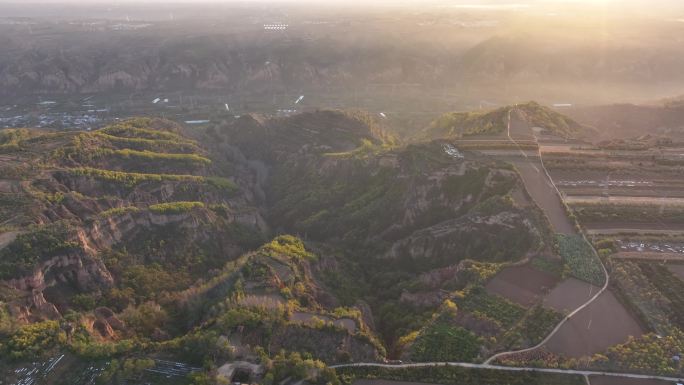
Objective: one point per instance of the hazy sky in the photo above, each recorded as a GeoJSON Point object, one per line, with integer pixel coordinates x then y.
{"type": "Point", "coordinates": [411, 2]}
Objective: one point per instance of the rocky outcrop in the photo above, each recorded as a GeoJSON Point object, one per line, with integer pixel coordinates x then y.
{"type": "Point", "coordinates": [77, 269]}
{"type": "Point", "coordinates": [326, 345]}
{"type": "Point", "coordinates": [453, 240]}
{"type": "Point", "coordinates": [80, 268]}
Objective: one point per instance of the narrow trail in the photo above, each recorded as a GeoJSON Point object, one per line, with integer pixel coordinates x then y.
{"type": "Point", "coordinates": [581, 307]}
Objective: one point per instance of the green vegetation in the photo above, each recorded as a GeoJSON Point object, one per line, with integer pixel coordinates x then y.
{"type": "Point", "coordinates": [539, 116]}
{"type": "Point", "coordinates": [224, 184]}
{"type": "Point", "coordinates": [141, 144]}
{"type": "Point", "coordinates": [643, 298]}
{"type": "Point", "coordinates": [449, 375]}
{"type": "Point", "coordinates": [442, 341]}
{"type": "Point", "coordinates": [175, 207]}
{"type": "Point", "coordinates": [116, 211]}
{"type": "Point", "coordinates": [477, 300]}
{"type": "Point", "coordinates": [655, 213]}
{"type": "Point", "coordinates": [459, 124]}
{"type": "Point", "coordinates": [131, 179]}
{"type": "Point", "coordinates": [293, 365]}
{"type": "Point", "coordinates": [472, 183]}
{"type": "Point", "coordinates": [647, 354]}
{"type": "Point", "coordinates": [365, 150]}
{"type": "Point", "coordinates": [33, 340]}
{"type": "Point", "coordinates": [537, 323]}
{"type": "Point", "coordinates": [286, 245]}
{"type": "Point", "coordinates": [22, 254]}
{"type": "Point", "coordinates": [578, 255]}
{"type": "Point", "coordinates": [149, 156]}
{"type": "Point", "coordinates": [10, 139]}
{"type": "Point", "coordinates": [548, 265]}
{"type": "Point", "coordinates": [670, 286]}
{"type": "Point", "coordinates": [189, 291]}
{"type": "Point", "coordinates": [138, 129]}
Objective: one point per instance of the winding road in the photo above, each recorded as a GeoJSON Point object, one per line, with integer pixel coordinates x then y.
{"type": "Point", "coordinates": [581, 307]}
{"type": "Point", "coordinates": [487, 363]}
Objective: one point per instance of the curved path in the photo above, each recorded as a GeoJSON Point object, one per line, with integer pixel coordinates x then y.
{"type": "Point", "coordinates": [584, 373]}
{"type": "Point", "coordinates": [581, 307]}
{"type": "Point", "coordinates": [487, 364]}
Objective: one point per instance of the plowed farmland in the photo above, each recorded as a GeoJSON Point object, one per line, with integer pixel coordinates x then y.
{"type": "Point", "coordinates": [604, 323]}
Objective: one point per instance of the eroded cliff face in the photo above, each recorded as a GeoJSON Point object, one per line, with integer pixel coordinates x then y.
{"type": "Point", "coordinates": [103, 213]}
{"type": "Point", "coordinates": [85, 272]}
{"type": "Point", "coordinates": [81, 270]}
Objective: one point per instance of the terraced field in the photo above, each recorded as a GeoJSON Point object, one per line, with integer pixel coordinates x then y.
{"type": "Point", "coordinates": [569, 295]}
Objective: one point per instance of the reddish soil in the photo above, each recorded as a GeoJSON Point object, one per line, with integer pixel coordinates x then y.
{"type": "Point", "coordinates": [522, 284]}
{"type": "Point", "coordinates": [608, 380]}
{"type": "Point", "coordinates": [600, 325]}
{"type": "Point", "coordinates": [569, 295]}
{"type": "Point", "coordinates": [678, 270]}
{"type": "Point", "coordinates": [544, 195]}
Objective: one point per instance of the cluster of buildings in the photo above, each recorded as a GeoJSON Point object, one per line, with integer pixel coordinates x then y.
{"type": "Point", "coordinates": [82, 121]}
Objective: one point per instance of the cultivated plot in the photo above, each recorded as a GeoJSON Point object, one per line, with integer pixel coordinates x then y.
{"type": "Point", "coordinates": [523, 285]}
{"type": "Point", "coordinates": [569, 295]}
{"type": "Point", "coordinates": [544, 194]}
{"type": "Point", "coordinates": [604, 323]}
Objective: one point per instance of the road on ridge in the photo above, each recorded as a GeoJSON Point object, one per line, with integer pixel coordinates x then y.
{"type": "Point", "coordinates": [584, 373]}
{"type": "Point", "coordinates": [565, 319]}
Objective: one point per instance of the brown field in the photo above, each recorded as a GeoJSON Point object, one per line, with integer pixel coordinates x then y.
{"type": "Point", "coordinates": [678, 270]}
{"type": "Point", "coordinates": [520, 129]}
{"type": "Point", "coordinates": [609, 380]}
{"type": "Point", "coordinates": [543, 193]}
{"type": "Point", "coordinates": [522, 284]}
{"type": "Point", "coordinates": [569, 295]}
{"type": "Point", "coordinates": [600, 325]}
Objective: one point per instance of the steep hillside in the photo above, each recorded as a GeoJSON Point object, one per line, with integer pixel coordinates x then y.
{"type": "Point", "coordinates": [139, 190]}
{"type": "Point", "coordinates": [149, 239]}
{"type": "Point", "coordinates": [390, 217]}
